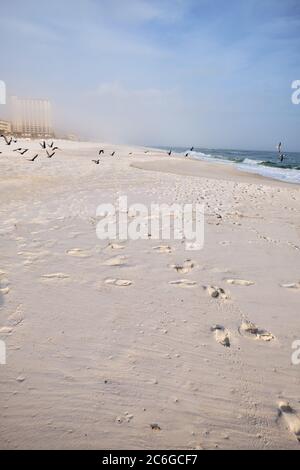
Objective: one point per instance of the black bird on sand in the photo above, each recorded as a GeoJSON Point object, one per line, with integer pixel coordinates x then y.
{"type": "Point", "coordinates": [51, 145]}
{"type": "Point", "coordinates": [32, 159]}
{"type": "Point", "coordinates": [101, 151]}
{"type": "Point", "coordinates": [170, 153]}
{"type": "Point", "coordinates": [96, 161]}
{"type": "Point", "coordinates": [43, 144]}
{"type": "Point", "coordinates": [187, 154]}
{"type": "Point", "coordinates": [112, 154]}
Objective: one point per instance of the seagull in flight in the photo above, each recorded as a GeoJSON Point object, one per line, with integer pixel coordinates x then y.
{"type": "Point", "coordinates": [50, 155]}
{"type": "Point", "coordinates": [7, 141]}
{"type": "Point", "coordinates": [96, 161]}
{"type": "Point", "coordinates": [21, 151]}
{"type": "Point", "coordinates": [101, 151]}
{"type": "Point", "coordinates": [32, 159]}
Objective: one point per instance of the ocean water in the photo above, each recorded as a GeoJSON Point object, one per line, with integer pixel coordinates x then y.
{"type": "Point", "coordinates": [261, 162]}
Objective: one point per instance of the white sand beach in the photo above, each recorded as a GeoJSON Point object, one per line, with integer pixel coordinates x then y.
{"type": "Point", "coordinates": [130, 346]}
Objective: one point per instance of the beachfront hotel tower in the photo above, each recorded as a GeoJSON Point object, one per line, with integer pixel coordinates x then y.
{"type": "Point", "coordinates": [31, 117]}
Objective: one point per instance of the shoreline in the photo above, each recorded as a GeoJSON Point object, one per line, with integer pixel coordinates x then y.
{"type": "Point", "coordinates": [198, 168]}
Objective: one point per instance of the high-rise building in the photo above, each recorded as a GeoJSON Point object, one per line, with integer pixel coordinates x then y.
{"type": "Point", "coordinates": [5, 127]}
{"type": "Point", "coordinates": [31, 118]}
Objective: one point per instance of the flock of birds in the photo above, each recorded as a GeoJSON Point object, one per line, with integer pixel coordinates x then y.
{"type": "Point", "coordinates": [101, 151]}
{"type": "Point", "coordinates": [49, 148]}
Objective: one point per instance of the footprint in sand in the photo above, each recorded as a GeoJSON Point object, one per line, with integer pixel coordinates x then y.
{"type": "Point", "coordinates": [116, 261]}
{"type": "Point", "coordinates": [186, 283]}
{"type": "Point", "coordinates": [290, 417]}
{"type": "Point", "coordinates": [250, 330]}
{"type": "Point", "coordinates": [183, 268]}
{"type": "Point", "coordinates": [162, 249]}
{"type": "Point", "coordinates": [115, 246]}
{"type": "Point", "coordinates": [240, 282]}
{"type": "Point", "coordinates": [55, 276]}
{"type": "Point", "coordinates": [221, 335]}
{"type": "Point", "coordinates": [78, 252]}
{"type": "Point", "coordinates": [16, 318]}
{"type": "Point", "coordinates": [4, 286]}
{"type": "Point", "coordinates": [216, 292]}
{"type": "Point", "coordinates": [118, 282]}
{"type": "Point", "coordinates": [6, 330]}
{"type": "Point", "coordinates": [293, 285]}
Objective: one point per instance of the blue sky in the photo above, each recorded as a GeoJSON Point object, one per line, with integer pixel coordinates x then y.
{"type": "Point", "coordinates": [207, 73]}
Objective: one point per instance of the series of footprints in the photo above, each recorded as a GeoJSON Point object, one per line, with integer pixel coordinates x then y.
{"type": "Point", "coordinates": [246, 329]}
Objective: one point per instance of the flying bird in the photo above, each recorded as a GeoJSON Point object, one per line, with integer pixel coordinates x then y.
{"type": "Point", "coordinates": [50, 155]}
{"type": "Point", "coordinates": [191, 149]}
{"type": "Point", "coordinates": [50, 145]}
{"type": "Point", "coordinates": [7, 141]}
{"type": "Point", "coordinates": [96, 161]}
{"type": "Point", "coordinates": [32, 159]}
{"type": "Point", "coordinates": [101, 151]}
{"type": "Point", "coordinates": [20, 151]}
